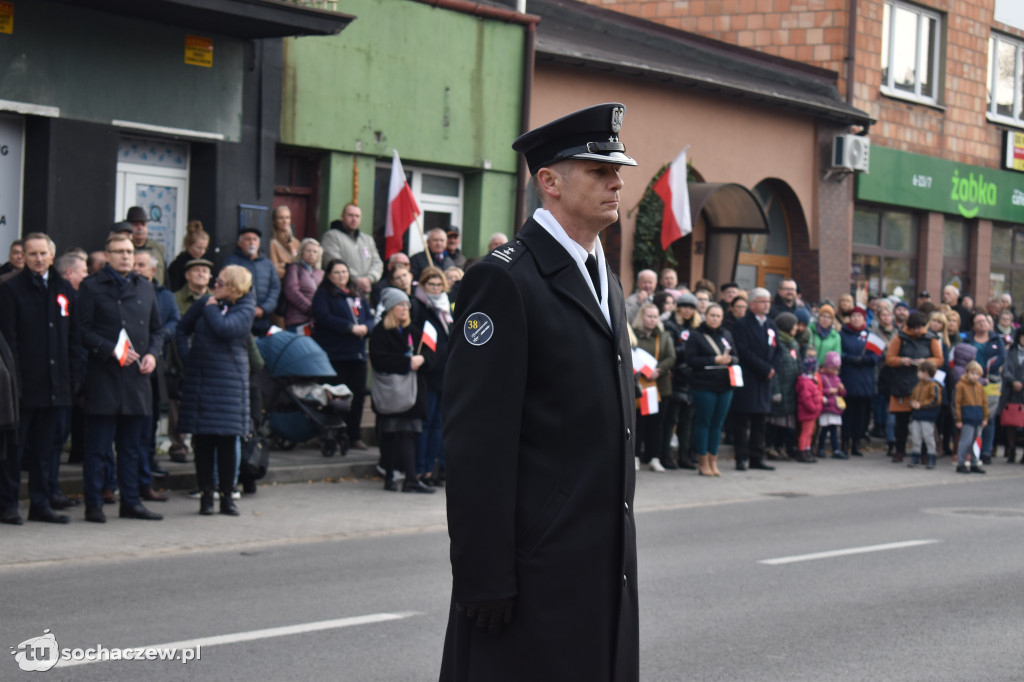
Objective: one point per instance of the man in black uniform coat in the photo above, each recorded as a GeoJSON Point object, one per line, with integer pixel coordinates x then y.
{"type": "Point", "coordinates": [117, 398]}
{"type": "Point", "coordinates": [757, 342]}
{"type": "Point", "coordinates": [538, 426]}
{"type": "Point", "coordinates": [40, 324]}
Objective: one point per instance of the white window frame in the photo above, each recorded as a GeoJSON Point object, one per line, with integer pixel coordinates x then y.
{"type": "Point", "coordinates": [888, 88]}
{"type": "Point", "coordinates": [1017, 118]}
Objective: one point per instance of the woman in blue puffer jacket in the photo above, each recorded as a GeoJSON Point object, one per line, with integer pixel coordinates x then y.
{"type": "Point", "coordinates": [215, 396]}
{"type": "Point", "coordinates": [858, 375]}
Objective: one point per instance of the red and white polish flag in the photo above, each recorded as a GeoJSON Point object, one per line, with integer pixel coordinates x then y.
{"type": "Point", "coordinates": [649, 401]}
{"type": "Point", "coordinates": [735, 376]}
{"type": "Point", "coordinates": [673, 190]}
{"type": "Point", "coordinates": [122, 346]}
{"type": "Point", "coordinates": [429, 336]}
{"type": "Point", "coordinates": [875, 344]}
{"type": "Point", "coordinates": [402, 209]}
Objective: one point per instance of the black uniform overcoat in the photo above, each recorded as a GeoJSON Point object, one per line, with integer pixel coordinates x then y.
{"type": "Point", "coordinates": [759, 351]}
{"type": "Point", "coordinates": [538, 435]}
{"type": "Point", "coordinates": [40, 323]}
{"type": "Point", "coordinates": [104, 309]}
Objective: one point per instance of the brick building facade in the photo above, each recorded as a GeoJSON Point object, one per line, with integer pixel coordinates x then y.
{"type": "Point", "coordinates": [943, 81]}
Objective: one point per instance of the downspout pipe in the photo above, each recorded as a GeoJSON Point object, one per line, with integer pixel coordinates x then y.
{"type": "Point", "coordinates": [523, 176]}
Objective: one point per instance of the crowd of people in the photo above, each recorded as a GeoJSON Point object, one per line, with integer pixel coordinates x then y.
{"type": "Point", "coordinates": [785, 380]}
{"type": "Point", "coordinates": [92, 342]}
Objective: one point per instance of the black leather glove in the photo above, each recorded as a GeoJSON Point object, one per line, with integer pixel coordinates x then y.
{"type": "Point", "coordinates": [490, 616]}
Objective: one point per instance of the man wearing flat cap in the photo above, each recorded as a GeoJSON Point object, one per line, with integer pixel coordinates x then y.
{"type": "Point", "coordinates": [138, 223]}
{"type": "Point", "coordinates": [266, 285]}
{"type": "Point", "coordinates": [538, 428]}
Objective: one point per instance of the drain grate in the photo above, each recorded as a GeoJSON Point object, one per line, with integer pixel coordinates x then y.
{"type": "Point", "coordinates": [788, 493]}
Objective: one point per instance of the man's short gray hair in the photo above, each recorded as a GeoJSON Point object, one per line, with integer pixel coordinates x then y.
{"type": "Point", "coordinates": [760, 292]}
{"type": "Point", "coordinates": [67, 261]}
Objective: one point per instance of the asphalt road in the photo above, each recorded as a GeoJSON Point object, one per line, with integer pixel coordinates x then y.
{"type": "Point", "coordinates": [939, 600]}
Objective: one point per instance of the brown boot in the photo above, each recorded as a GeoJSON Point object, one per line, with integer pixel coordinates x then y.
{"type": "Point", "coordinates": [703, 466]}
{"type": "Point", "coordinates": [713, 463]}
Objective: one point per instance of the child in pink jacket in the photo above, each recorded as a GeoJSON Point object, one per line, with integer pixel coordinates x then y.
{"type": "Point", "coordinates": [831, 418]}
{"type": "Point", "coordinates": [809, 403]}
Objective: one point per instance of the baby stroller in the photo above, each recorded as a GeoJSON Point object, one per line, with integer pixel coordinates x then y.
{"type": "Point", "coordinates": [301, 402]}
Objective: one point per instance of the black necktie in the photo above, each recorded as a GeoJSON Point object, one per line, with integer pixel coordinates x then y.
{"type": "Point", "coordinates": [595, 279]}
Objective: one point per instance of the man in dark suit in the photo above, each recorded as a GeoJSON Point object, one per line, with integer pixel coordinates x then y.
{"type": "Point", "coordinates": [118, 401]}
{"type": "Point", "coordinates": [40, 324]}
{"type": "Point", "coordinates": [436, 254]}
{"type": "Point", "coordinates": [757, 342]}
{"type": "Point", "coordinates": [538, 426]}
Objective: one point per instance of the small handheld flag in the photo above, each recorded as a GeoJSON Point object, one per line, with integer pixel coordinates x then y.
{"type": "Point", "coordinates": [122, 346]}
{"type": "Point", "coordinates": [649, 401]}
{"type": "Point", "coordinates": [429, 336]}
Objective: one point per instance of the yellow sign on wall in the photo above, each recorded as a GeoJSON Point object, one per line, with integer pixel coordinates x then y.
{"type": "Point", "coordinates": [1013, 155]}
{"type": "Point", "coordinates": [6, 17]}
{"type": "Point", "coordinates": [198, 51]}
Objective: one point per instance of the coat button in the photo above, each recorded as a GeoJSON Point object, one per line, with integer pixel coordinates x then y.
{"type": "Point", "coordinates": [628, 434]}
{"type": "Point", "coordinates": [618, 359]}
{"type": "Point", "coordinates": [626, 504]}
{"type": "Point", "coordinates": [625, 580]}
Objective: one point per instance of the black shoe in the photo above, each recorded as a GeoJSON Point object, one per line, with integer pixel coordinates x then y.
{"type": "Point", "coordinates": [986, 459]}
{"type": "Point", "coordinates": [390, 484]}
{"type": "Point", "coordinates": [975, 469]}
{"type": "Point", "coordinates": [962, 469]}
{"type": "Point", "coordinates": [95, 515]}
{"type": "Point", "coordinates": [434, 481]}
{"type": "Point", "coordinates": [206, 503]}
{"type": "Point", "coordinates": [157, 470]}
{"type": "Point", "coordinates": [12, 518]}
{"type": "Point", "coordinates": [416, 486]}
{"type": "Point", "coordinates": [47, 515]}
{"type": "Point", "coordinates": [227, 507]}
{"type": "Point", "coordinates": [669, 463]}
{"type": "Point", "coordinates": [839, 454]}
{"type": "Point", "coordinates": [687, 464]}
{"type": "Point", "coordinates": [741, 465]}
{"type": "Point", "coordinates": [179, 457]}
{"type": "Point", "coordinates": [758, 464]}
{"type": "Point", "coordinates": [249, 487]}
{"type": "Point", "coordinates": [139, 512]}
{"type": "Point", "coordinates": [62, 501]}
{"type": "Point", "coordinates": [857, 453]}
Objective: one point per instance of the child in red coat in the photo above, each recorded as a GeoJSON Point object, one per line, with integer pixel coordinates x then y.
{"type": "Point", "coordinates": [809, 402]}
{"type": "Point", "coordinates": [832, 405]}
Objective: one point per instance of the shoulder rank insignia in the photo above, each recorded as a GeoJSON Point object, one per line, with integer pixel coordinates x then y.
{"type": "Point", "coordinates": [509, 252]}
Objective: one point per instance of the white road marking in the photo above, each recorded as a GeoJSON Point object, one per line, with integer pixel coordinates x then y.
{"type": "Point", "coordinates": [267, 633]}
{"type": "Point", "coordinates": [846, 552]}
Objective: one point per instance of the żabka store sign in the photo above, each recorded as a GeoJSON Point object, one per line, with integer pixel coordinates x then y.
{"type": "Point", "coordinates": [925, 182]}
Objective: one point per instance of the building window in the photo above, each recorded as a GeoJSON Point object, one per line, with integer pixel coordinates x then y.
{"type": "Point", "coordinates": [910, 52]}
{"type": "Point", "coordinates": [440, 194]}
{"type": "Point", "coordinates": [1007, 270]}
{"type": "Point", "coordinates": [884, 252]}
{"type": "Point", "coordinates": [1005, 79]}
{"type": "Point", "coordinates": [955, 247]}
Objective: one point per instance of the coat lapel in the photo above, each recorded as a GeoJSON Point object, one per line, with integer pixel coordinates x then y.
{"type": "Point", "coordinates": [556, 263]}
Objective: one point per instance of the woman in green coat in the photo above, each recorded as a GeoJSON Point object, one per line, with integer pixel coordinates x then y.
{"type": "Point", "coordinates": [824, 336]}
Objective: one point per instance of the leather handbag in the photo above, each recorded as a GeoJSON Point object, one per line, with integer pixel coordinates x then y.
{"type": "Point", "coordinates": [1013, 415]}
{"type": "Point", "coordinates": [393, 393]}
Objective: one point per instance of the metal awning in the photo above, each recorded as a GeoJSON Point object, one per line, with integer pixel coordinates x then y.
{"type": "Point", "coordinates": [246, 19]}
{"type": "Point", "coordinates": [727, 207]}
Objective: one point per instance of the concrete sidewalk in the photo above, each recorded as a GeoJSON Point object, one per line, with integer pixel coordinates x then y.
{"type": "Point", "coordinates": [341, 498]}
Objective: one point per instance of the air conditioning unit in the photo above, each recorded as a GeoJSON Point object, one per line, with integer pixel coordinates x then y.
{"type": "Point", "coordinates": [851, 152]}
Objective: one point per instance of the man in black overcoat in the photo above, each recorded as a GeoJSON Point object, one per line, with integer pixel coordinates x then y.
{"type": "Point", "coordinates": [40, 323]}
{"type": "Point", "coordinates": [117, 393]}
{"type": "Point", "coordinates": [757, 343]}
{"type": "Point", "coordinates": [538, 433]}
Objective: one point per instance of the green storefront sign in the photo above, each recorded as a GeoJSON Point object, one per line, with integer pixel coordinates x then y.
{"type": "Point", "coordinates": [918, 181]}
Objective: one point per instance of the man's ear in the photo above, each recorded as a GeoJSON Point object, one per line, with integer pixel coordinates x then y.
{"type": "Point", "coordinates": [549, 182]}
